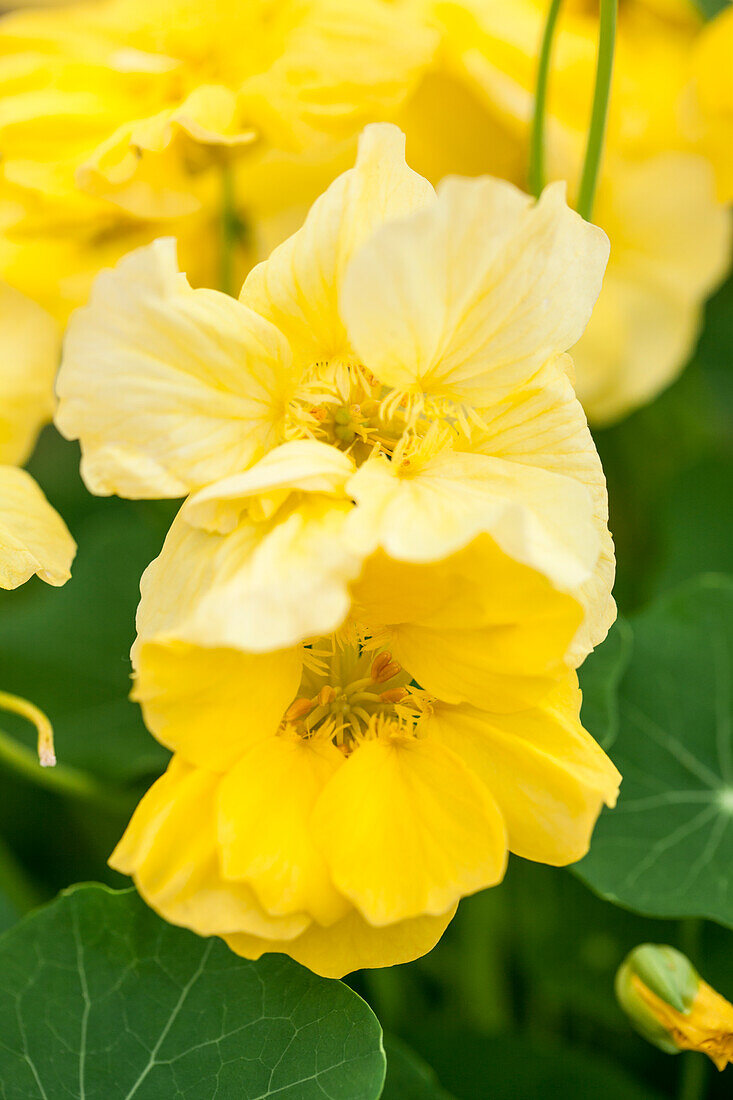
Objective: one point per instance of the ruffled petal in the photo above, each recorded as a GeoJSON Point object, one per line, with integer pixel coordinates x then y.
{"type": "Point", "coordinates": [169, 849]}
{"type": "Point", "coordinates": [543, 425]}
{"type": "Point", "coordinates": [265, 586]}
{"type": "Point", "coordinates": [33, 537]}
{"type": "Point", "coordinates": [265, 803]}
{"type": "Point", "coordinates": [477, 627]}
{"type": "Point", "coordinates": [297, 288]}
{"type": "Point", "coordinates": [406, 830]}
{"type": "Point", "coordinates": [304, 465]}
{"type": "Point", "coordinates": [168, 388]}
{"type": "Point", "coordinates": [548, 776]}
{"type": "Point", "coordinates": [428, 510]}
{"type": "Point", "coordinates": [210, 705]}
{"type": "Point", "coordinates": [351, 944]}
{"type": "Point", "coordinates": [468, 297]}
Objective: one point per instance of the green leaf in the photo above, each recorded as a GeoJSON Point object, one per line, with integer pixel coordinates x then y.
{"type": "Point", "coordinates": [599, 677]}
{"type": "Point", "coordinates": [667, 848]}
{"type": "Point", "coordinates": [67, 649]}
{"type": "Point", "coordinates": [101, 999]}
{"type": "Point", "coordinates": [695, 528]}
{"type": "Point", "coordinates": [408, 1077]}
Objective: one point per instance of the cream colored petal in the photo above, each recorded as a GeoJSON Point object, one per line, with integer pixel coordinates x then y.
{"type": "Point", "coordinates": [31, 343]}
{"type": "Point", "coordinates": [297, 288]}
{"type": "Point", "coordinates": [543, 425]}
{"type": "Point", "coordinates": [33, 537]}
{"type": "Point", "coordinates": [415, 833]}
{"type": "Point", "coordinates": [467, 298]}
{"type": "Point", "coordinates": [265, 586]}
{"type": "Point", "coordinates": [210, 705]}
{"type": "Point", "coordinates": [548, 776]}
{"type": "Point", "coordinates": [426, 511]}
{"type": "Point", "coordinates": [671, 246]}
{"type": "Point", "coordinates": [166, 387]}
{"type": "Point", "coordinates": [351, 944]}
{"type": "Point", "coordinates": [264, 808]}
{"type": "Point", "coordinates": [302, 465]}
{"type": "Point", "coordinates": [170, 850]}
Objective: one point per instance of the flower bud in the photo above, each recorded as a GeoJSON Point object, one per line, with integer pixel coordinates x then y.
{"type": "Point", "coordinates": [670, 1005]}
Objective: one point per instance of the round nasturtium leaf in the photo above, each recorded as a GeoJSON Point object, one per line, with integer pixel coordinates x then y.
{"type": "Point", "coordinates": [599, 677]}
{"type": "Point", "coordinates": [666, 850]}
{"type": "Point", "coordinates": [100, 999]}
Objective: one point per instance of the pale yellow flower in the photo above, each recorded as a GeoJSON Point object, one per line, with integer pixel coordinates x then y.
{"type": "Point", "coordinates": [670, 240]}
{"type": "Point", "coordinates": [393, 325]}
{"type": "Point", "coordinates": [323, 807]}
{"type": "Point", "coordinates": [390, 483]}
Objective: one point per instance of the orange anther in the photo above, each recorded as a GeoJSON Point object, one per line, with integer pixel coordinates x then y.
{"type": "Point", "coordinates": [298, 709]}
{"type": "Point", "coordinates": [387, 672]}
{"type": "Point", "coordinates": [394, 695]}
{"type": "Point", "coordinates": [380, 661]}
{"type": "Point", "coordinates": [325, 695]}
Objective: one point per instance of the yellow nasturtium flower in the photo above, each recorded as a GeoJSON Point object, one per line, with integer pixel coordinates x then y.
{"type": "Point", "coordinates": [428, 329]}
{"type": "Point", "coordinates": [390, 483]}
{"type": "Point", "coordinates": [33, 538]}
{"type": "Point", "coordinates": [121, 113]}
{"type": "Point", "coordinates": [670, 239]}
{"type": "Point", "coordinates": [320, 805]}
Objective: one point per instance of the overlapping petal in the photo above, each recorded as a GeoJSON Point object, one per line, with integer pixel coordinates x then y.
{"type": "Point", "coordinates": [31, 346]}
{"type": "Point", "coordinates": [549, 777]}
{"type": "Point", "coordinates": [297, 288]}
{"type": "Point", "coordinates": [169, 388]}
{"type": "Point", "coordinates": [33, 537]}
{"type": "Point", "coordinates": [467, 298]}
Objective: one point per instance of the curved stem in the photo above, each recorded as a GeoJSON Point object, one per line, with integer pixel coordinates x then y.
{"type": "Point", "coordinates": [17, 705]}
{"type": "Point", "coordinates": [62, 779]}
{"type": "Point", "coordinates": [599, 112]}
{"type": "Point", "coordinates": [536, 169]}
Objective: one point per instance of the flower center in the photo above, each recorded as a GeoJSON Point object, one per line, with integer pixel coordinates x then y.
{"type": "Point", "coordinates": [343, 404]}
{"type": "Point", "coordinates": [349, 693]}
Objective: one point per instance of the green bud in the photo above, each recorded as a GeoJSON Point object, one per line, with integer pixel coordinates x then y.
{"type": "Point", "coordinates": [667, 973]}
{"type": "Point", "coordinates": [342, 415]}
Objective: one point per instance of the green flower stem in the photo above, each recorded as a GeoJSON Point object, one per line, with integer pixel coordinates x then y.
{"type": "Point", "coordinates": [693, 1076]}
{"type": "Point", "coordinates": [599, 113]}
{"type": "Point", "coordinates": [536, 171]}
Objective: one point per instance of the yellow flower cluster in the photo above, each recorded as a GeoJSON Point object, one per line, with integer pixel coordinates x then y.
{"type": "Point", "coordinates": [119, 117]}
{"type": "Point", "coordinates": [670, 238]}
{"type": "Point", "coordinates": [360, 637]}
